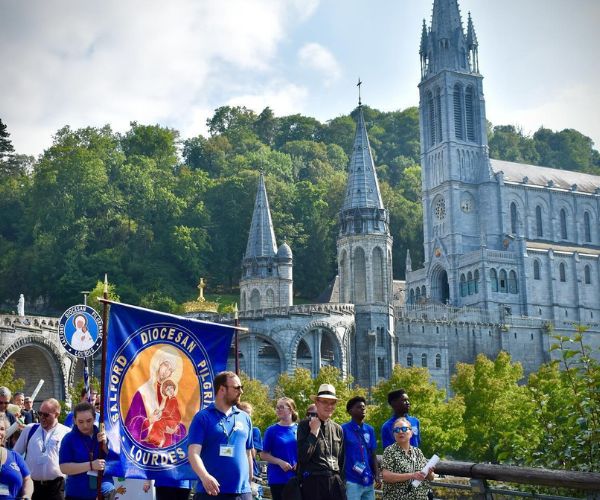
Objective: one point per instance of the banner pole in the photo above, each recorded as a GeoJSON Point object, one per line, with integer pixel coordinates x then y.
{"type": "Point", "coordinates": [102, 369]}
{"type": "Point", "coordinates": [236, 342]}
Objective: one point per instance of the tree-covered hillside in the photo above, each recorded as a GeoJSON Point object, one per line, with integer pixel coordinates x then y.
{"type": "Point", "coordinates": [156, 211]}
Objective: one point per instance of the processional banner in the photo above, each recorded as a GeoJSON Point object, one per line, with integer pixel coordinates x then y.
{"type": "Point", "coordinates": [159, 374]}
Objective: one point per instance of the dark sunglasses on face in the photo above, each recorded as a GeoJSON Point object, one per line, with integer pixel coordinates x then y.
{"type": "Point", "coordinates": [401, 429]}
{"type": "Point", "coordinates": [44, 414]}
{"type": "Point", "coordinates": [236, 387]}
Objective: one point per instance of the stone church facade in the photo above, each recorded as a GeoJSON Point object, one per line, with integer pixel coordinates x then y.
{"type": "Point", "coordinates": [510, 249]}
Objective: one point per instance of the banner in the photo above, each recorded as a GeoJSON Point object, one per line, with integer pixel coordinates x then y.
{"type": "Point", "coordinates": [159, 374]}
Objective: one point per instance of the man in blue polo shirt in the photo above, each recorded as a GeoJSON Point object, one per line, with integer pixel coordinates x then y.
{"type": "Point", "coordinates": [220, 449]}
{"type": "Point", "coordinates": [361, 461]}
{"type": "Point", "coordinates": [400, 404]}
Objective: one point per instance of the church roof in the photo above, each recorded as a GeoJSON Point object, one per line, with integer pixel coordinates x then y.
{"type": "Point", "coordinates": [547, 177]}
{"type": "Point", "coordinates": [362, 190]}
{"type": "Point", "coordinates": [446, 20]}
{"type": "Point", "coordinates": [261, 240]}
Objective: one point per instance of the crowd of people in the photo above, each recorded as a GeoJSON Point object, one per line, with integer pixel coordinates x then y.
{"type": "Point", "coordinates": [309, 458]}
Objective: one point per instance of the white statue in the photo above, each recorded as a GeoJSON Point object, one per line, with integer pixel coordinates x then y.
{"type": "Point", "coordinates": [21, 306]}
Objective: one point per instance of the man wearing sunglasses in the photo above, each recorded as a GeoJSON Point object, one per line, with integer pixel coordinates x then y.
{"type": "Point", "coordinates": [40, 444]}
{"type": "Point", "coordinates": [5, 396]}
{"type": "Point", "coordinates": [220, 444]}
{"type": "Point", "coordinates": [400, 404]}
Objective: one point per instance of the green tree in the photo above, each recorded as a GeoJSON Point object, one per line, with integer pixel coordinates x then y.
{"type": "Point", "coordinates": [257, 394]}
{"type": "Point", "coordinates": [496, 406]}
{"type": "Point", "coordinates": [7, 377]}
{"type": "Point", "coordinates": [6, 147]}
{"type": "Point", "coordinates": [98, 293]}
{"type": "Point", "coordinates": [442, 429]}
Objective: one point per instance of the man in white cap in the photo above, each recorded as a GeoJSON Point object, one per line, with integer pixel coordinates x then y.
{"type": "Point", "coordinates": [321, 450]}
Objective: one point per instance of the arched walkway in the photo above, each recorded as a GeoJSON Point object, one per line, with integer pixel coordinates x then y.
{"type": "Point", "coordinates": [316, 347]}
{"type": "Point", "coordinates": [440, 288]}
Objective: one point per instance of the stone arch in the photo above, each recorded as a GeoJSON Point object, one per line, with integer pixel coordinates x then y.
{"type": "Point", "coordinates": [255, 299]}
{"type": "Point", "coordinates": [440, 287]}
{"type": "Point", "coordinates": [337, 344]}
{"type": "Point", "coordinates": [270, 298]}
{"type": "Point", "coordinates": [37, 357]}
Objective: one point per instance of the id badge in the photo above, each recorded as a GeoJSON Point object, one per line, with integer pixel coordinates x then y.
{"type": "Point", "coordinates": [92, 479]}
{"type": "Point", "coordinates": [4, 490]}
{"type": "Point", "coordinates": [359, 468]}
{"type": "Point", "coordinates": [226, 450]}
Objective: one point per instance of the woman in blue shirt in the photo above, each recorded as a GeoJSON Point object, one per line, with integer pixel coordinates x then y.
{"type": "Point", "coordinates": [15, 481]}
{"type": "Point", "coordinates": [280, 448]}
{"type": "Point", "coordinates": [79, 457]}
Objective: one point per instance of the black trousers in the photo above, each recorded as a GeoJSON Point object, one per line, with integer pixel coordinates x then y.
{"type": "Point", "coordinates": [171, 493]}
{"type": "Point", "coordinates": [277, 491]}
{"type": "Point", "coordinates": [329, 487]}
{"type": "Point", "coordinates": [49, 490]}
{"type": "Point", "coordinates": [224, 496]}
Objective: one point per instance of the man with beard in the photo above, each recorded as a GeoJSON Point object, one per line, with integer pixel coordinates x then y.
{"type": "Point", "coordinates": [220, 449]}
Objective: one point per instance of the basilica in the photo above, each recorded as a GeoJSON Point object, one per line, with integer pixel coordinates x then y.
{"type": "Point", "coordinates": [511, 250]}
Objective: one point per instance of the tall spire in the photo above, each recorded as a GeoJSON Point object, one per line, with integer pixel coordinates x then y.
{"type": "Point", "coordinates": [363, 188]}
{"type": "Point", "coordinates": [446, 43]}
{"type": "Point", "coordinates": [261, 240]}
{"type": "Point", "coordinates": [472, 46]}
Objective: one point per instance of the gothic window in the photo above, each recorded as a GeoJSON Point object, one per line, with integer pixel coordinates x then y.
{"type": "Point", "coordinates": [378, 275]}
{"type": "Point", "coordinates": [411, 299]}
{"type": "Point", "coordinates": [563, 224]}
{"type": "Point", "coordinates": [438, 115]}
{"type": "Point", "coordinates": [303, 356]}
{"type": "Point", "coordinates": [513, 286]}
{"type": "Point", "coordinates": [587, 230]}
{"type": "Point", "coordinates": [458, 112]}
{"type": "Point", "coordinates": [439, 207]}
{"type": "Point", "coordinates": [409, 359]}
{"type": "Point", "coordinates": [463, 285]}
{"type": "Point", "coordinates": [538, 222]}
{"type": "Point", "coordinates": [380, 367]}
{"type": "Point", "coordinates": [344, 278]}
{"type": "Point", "coordinates": [587, 275]}
{"type": "Point", "coordinates": [513, 218]}
{"type": "Point", "coordinates": [424, 360]}
{"type": "Point", "coordinates": [503, 282]}
{"type": "Point", "coordinates": [494, 280]}
{"type": "Point", "coordinates": [431, 118]}
{"type": "Point", "coordinates": [255, 299]}
{"type": "Point", "coordinates": [360, 276]}
{"type": "Point", "coordinates": [438, 360]}
{"type": "Point", "coordinates": [469, 113]}
{"type": "Point", "coordinates": [380, 337]}
{"type": "Point", "coordinates": [418, 297]}
{"type": "Point", "coordinates": [270, 298]}
{"type": "Point", "coordinates": [562, 272]}
{"type": "Point", "coordinates": [536, 270]}
{"type": "Point", "coordinates": [476, 280]}
{"type": "Point", "coordinates": [470, 283]}
{"type": "Point", "coordinates": [358, 224]}
{"type": "Point", "coordinates": [423, 291]}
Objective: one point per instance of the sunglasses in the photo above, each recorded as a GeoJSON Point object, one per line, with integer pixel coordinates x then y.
{"type": "Point", "coordinates": [44, 414]}
{"type": "Point", "coordinates": [236, 387]}
{"type": "Point", "coordinates": [401, 429]}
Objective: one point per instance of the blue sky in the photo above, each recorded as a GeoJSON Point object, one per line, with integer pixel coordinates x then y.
{"type": "Point", "coordinates": [77, 63]}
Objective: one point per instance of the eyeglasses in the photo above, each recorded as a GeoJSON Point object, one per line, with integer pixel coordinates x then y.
{"type": "Point", "coordinates": [236, 387]}
{"type": "Point", "coordinates": [44, 414]}
{"type": "Point", "coordinates": [402, 429]}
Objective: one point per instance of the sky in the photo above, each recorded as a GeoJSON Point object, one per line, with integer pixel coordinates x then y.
{"type": "Point", "coordinates": [75, 63]}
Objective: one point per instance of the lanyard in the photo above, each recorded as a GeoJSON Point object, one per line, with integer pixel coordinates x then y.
{"type": "Point", "coordinates": [92, 448]}
{"type": "Point", "coordinates": [361, 442]}
{"type": "Point", "coordinates": [222, 425]}
{"type": "Point", "coordinates": [47, 438]}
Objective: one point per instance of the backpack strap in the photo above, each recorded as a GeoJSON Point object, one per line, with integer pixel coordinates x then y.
{"type": "Point", "coordinates": [32, 431]}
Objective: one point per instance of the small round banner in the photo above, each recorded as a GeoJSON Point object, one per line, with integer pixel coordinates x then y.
{"type": "Point", "coordinates": [80, 330]}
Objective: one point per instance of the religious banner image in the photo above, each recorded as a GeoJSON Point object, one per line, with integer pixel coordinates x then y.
{"type": "Point", "coordinates": [159, 374]}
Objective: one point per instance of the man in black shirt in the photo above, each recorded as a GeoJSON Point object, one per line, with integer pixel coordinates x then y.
{"type": "Point", "coordinates": [321, 450]}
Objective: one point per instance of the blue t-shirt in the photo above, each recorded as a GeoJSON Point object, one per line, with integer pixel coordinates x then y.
{"type": "Point", "coordinates": [360, 444]}
{"type": "Point", "coordinates": [76, 448]}
{"type": "Point", "coordinates": [12, 473]}
{"type": "Point", "coordinates": [387, 433]}
{"type": "Point", "coordinates": [211, 428]}
{"type": "Point", "coordinates": [258, 446]}
{"type": "Point", "coordinates": [281, 442]}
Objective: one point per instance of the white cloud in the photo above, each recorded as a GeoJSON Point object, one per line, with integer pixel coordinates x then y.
{"type": "Point", "coordinates": [91, 63]}
{"type": "Point", "coordinates": [317, 57]}
{"type": "Point", "coordinates": [282, 97]}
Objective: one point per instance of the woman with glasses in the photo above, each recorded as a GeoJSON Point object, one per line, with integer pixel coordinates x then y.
{"type": "Point", "coordinates": [280, 448]}
{"type": "Point", "coordinates": [15, 481]}
{"type": "Point", "coordinates": [79, 457]}
{"type": "Point", "coordinates": [402, 463]}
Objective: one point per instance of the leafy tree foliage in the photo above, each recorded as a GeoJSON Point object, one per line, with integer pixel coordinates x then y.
{"type": "Point", "coordinates": [257, 394]}
{"type": "Point", "coordinates": [7, 377]}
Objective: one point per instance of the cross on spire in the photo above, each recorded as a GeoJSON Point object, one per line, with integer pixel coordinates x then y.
{"type": "Point", "coordinates": [358, 85]}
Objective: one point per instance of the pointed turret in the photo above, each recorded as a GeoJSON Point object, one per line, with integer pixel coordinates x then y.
{"type": "Point", "coordinates": [408, 261]}
{"type": "Point", "coordinates": [261, 240]}
{"type": "Point", "coordinates": [363, 188]}
{"type": "Point", "coordinates": [472, 46]}
{"type": "Point", "coordinates": [446, 42]}
{"type": "Point", "coordinates": [423, 47]}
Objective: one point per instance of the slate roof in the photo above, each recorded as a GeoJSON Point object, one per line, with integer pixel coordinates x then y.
{"type": "Point", "coordinates": [261, 240]}
{"type": "Point", "coordinates": [543, 176]}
